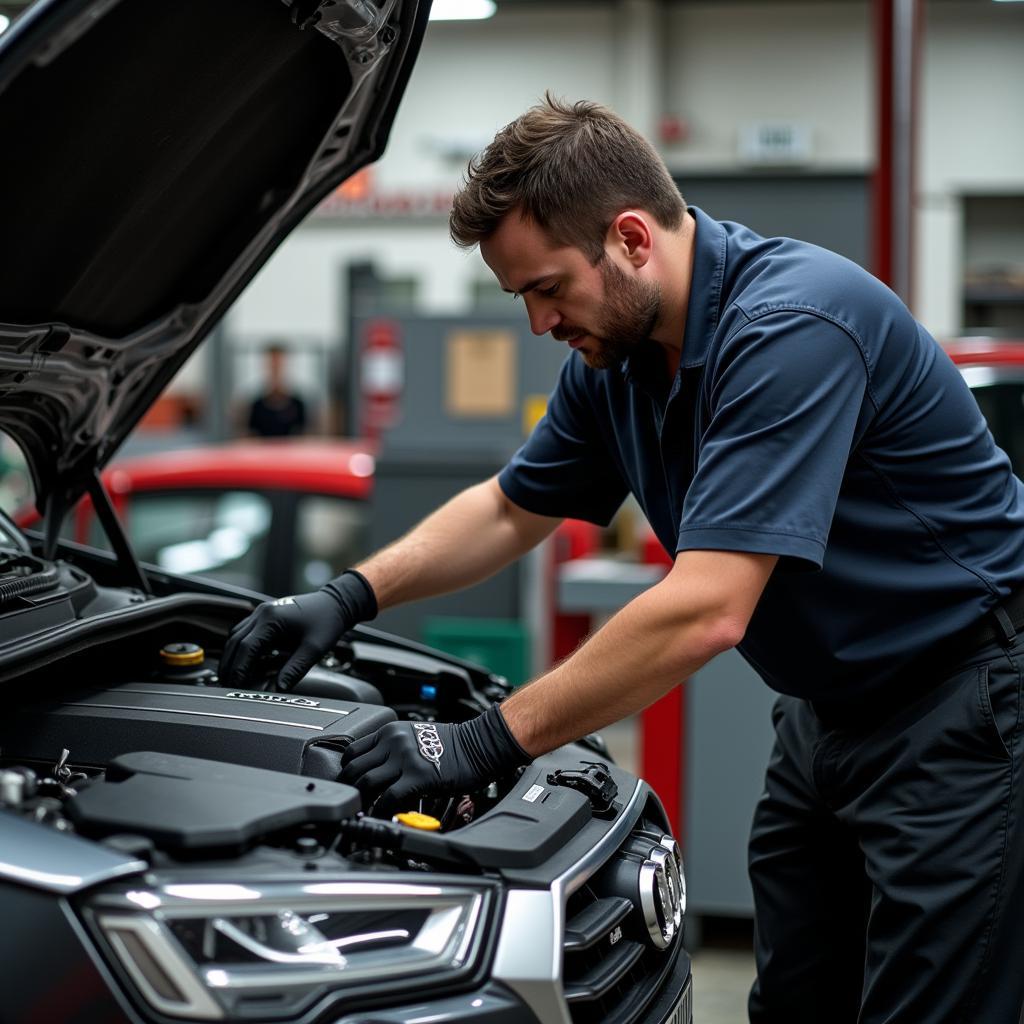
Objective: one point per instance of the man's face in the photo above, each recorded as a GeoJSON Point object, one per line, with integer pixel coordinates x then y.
{"type": "Point", "coordinates": [275, 369]}
{"type": "Point", "coordinates": [601, 311]}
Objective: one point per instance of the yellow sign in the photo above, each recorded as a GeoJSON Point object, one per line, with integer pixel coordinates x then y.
{"type": "Point", "coordinates": [534, 407]}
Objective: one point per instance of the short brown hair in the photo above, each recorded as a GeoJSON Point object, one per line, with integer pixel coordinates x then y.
{"type": "Point", "coordinates": [571, 168]}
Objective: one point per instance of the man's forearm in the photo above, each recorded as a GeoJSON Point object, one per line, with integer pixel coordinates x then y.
{"type": "Point", "coordinates": [634, 659]}
{"type": "Point", "coordinates": [657, 641]}
{"type": "Point", "coordinates": [465, 541]}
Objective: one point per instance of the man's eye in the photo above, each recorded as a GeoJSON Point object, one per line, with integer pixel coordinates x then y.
{"type": "Point", "coordinates": [549, 292]}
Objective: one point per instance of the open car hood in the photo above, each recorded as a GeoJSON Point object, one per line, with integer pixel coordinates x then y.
{"type": "Point", "coordinates": [155, 155]}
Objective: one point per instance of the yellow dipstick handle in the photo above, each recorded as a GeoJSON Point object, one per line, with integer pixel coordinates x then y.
{"type": "Point", "coordinates": [416, 820]}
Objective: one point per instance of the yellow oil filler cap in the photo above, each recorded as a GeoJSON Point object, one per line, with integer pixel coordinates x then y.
{"type": "Point", "coordinates": [182, 655]}
{"type": "Point", "coordinates": [416, 820]}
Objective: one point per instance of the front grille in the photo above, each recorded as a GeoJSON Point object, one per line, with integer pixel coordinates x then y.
{"type": "Point", "coordinates": [611, 968]}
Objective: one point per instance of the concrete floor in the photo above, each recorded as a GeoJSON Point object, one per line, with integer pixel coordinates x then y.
{"type": "Point", "coordinates": [721, 982]}
{"type": "Point", "coordinates": [723, 969]}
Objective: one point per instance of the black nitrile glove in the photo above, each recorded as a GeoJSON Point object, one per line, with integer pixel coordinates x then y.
{"type": "Point", "coordinates": [403, 760]}
{"type": "Point", "coordinates": [305, 626]}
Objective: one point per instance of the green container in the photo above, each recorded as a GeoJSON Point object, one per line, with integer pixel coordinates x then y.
{"type": "Point", "coordinates": [500, 645]}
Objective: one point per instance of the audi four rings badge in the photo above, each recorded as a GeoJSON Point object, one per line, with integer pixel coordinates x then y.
{"type": "Point", "coordinates": [429, 743]}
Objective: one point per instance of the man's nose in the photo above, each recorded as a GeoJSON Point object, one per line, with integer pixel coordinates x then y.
{"type": "Point", "coordinates": [542, 318]}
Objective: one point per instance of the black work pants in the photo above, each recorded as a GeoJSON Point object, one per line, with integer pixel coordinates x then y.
{"type": "Point", "coordinates": [887, 859]}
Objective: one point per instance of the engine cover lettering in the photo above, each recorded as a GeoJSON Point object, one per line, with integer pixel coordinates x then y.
{"type": "Point", "coordinates": [276, 698]}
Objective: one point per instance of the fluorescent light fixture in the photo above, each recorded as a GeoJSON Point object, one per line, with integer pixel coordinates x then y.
{"type": "Point", "coordinates": [462, 10]}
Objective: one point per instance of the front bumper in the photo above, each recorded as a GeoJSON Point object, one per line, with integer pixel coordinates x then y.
{"type": "Point", "coordinates": [528, 978]}
{"type": "Point", "coordinates": [494, 1004]}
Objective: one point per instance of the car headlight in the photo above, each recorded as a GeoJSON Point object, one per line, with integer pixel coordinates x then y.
{"type": "Point", "coordinates": [209, 950]}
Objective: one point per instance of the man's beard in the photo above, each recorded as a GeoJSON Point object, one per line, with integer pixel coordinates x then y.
{"type": "Point", "coordinates": [627, 318]}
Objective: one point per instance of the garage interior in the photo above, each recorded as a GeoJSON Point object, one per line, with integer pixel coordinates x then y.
{"type": "Point", "coordinates": [891, 131]}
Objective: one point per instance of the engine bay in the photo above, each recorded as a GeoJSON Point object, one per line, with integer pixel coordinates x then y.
{"type": "Point", "coordinates": [118, 729]}
{"type": "Point", "coordinates": [218, 866]}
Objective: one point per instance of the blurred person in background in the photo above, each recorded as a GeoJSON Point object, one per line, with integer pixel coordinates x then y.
{"type": "Point", "coordinates": [277, 412]}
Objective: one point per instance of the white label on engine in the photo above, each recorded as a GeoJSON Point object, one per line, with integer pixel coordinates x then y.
{"type": "Point", "coordinates": [532, 793]}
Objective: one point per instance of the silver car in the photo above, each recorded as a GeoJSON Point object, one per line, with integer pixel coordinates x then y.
{"type": "Point", "coordinates": [171, 849]}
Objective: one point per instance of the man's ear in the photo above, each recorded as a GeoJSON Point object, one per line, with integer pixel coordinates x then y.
{"type": "Point", "coordinates": [631, 236]}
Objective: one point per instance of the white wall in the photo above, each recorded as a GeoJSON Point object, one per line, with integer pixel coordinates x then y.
{"type": "Point", "coordinates": [732, 63]}
{"type": "Point", "coordinates": [473, 77]}
{"type": "Point", "coordinates": [724, 64]}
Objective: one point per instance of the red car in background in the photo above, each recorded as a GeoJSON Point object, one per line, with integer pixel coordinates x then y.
{"type": "Point", "coordinates": [279, 516]}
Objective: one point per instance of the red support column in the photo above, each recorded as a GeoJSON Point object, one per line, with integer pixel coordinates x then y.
{"type": "Point", "coordinates": [897, 43]}
{"type": "Point", "coordinates": [881, 179]}
{"type": "Point", "coordinates": [662, 751]}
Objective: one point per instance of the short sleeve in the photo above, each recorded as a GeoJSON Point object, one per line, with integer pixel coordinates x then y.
{"type": "Point", "coordinates": [565, 468]}
{"type": "Point", "coordinates": [787, 394]}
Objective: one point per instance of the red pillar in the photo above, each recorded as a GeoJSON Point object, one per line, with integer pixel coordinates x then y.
{"type": "Point", "coordinates": [662, 750]}
{"type": "Point", "coordinates": [897, 45]}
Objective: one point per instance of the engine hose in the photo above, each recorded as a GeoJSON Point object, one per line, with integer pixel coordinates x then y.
{"type": "Point", "coordinates": [42, 577]}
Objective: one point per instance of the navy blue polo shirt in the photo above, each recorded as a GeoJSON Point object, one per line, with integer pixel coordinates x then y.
{"type": "Point", "coordinates": [812, 418]}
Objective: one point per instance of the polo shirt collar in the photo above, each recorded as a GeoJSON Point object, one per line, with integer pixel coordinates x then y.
{"type": "Point", "coordinates": [705, 289]}
{"type": "Point", "coordinates": [705, 292]}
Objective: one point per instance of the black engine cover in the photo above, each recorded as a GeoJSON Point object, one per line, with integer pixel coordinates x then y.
{"type": "Point", "coordinates": [281, 732]}
{"type": "Point", "coordinates": [187, 803]}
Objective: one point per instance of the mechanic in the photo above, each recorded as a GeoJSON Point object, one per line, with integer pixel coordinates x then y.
{"type": "Point", "coordinates": [837, 510]}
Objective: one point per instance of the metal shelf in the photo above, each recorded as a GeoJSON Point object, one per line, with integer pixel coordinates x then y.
{"type": "Point", "coordinates": [603, 584]}
{"type": "Point", "coordinates": [994, 295]}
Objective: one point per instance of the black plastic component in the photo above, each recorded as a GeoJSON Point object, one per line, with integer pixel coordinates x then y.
{"type": "Point", "coordinates": [524, 831]}
{"type": "Point", "coordinates": [22, 575]}
{"type": "Point", "coordinates": [80, 610]}
{"type": "Point", "coordinates": [595, 921]}
{"type": "Point", "coordinates": [265, 730]}
{"type": "Point", "coordinates": [606, 974]}
{"type": "Point", "coordinates": [401, 675]}
{"type": "Point", "coordinates": [594, 782]}
{"type": "Point", "coordinates": [322, 682]}
{"type": "Point", "coordinates": [39, 600]}
{"type": "Point", "coordinates": [527, 827]}
{"type": "Point", "coordinates": [189, 803]}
